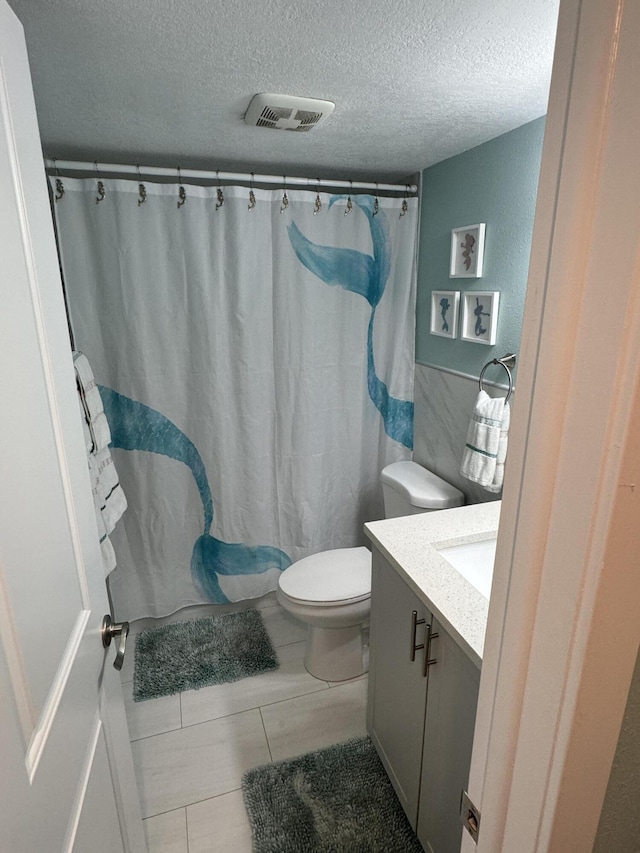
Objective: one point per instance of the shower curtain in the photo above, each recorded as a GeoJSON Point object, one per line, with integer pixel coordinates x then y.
{"type": "Point", "coordinates": [255, 360]}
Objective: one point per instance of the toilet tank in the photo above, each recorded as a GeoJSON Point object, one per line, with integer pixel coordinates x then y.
{"type": "Point", "coordinates": [408, 488]}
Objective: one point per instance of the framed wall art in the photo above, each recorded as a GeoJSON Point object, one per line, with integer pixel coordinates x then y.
{"type": "Point", "coordinates": [480, 316]}
{"type": "Point", "coordinates": [444, 313]}
{"type": "Point", "coordinates": [467, 251]}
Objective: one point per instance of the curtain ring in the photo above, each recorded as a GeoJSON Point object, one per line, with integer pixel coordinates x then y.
{"type": "Point", "coordinates": [220, 194]}
{"type": "Point", "coordinates": [405, 203]}
{"type": "Point", "coordinates": [318, 205]}
{"type": "Point", "coordinates": [285, 198]}
{"type": "Point", "coordinates": [142, 190]}
{"type": "Point", "coordinates": [182, 193]}
{"type": "Point", "coordinates": [252, 195]}
{"type": "Point", "coordinates": [349, 202]}
{"type": "Point", "coordinates": [99, 185]}
{"type": "Point", "coordinates": [59, 185]}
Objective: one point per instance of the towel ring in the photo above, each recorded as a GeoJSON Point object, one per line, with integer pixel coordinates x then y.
{"type": "Point", "coordinates": [507, 362]}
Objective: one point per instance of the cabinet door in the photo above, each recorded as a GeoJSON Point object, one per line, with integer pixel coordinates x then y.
{"type": "Point", "coordinates": [397, 687]}
{"type": "Point", "coordinates": [448, 740]}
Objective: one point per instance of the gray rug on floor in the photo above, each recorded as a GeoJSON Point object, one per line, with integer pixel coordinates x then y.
{"type": "Point", "coordinates": [189, 655]}
{"type": "Point", "coordinates": [335, 800]}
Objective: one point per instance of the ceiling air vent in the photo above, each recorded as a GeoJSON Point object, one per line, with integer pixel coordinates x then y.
{"type": "Point", "coordinates": [284, 112]}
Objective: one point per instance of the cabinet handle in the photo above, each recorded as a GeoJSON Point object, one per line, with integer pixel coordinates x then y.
{"type": "Point", "coordinates": [428, 660]}
{"type": "Point", "coordinates": [414, 624]}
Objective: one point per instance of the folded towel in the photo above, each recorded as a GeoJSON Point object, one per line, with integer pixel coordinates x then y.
{"type": "Point", "coordinates": [88, 385]}
{"type": "Point", "coordinates": [99, 428]}
{"type": "Point", "coordinates": [88, 437]}
{"type": "Point", "coordinates": [109, 502]}
{"type": "Point", "coordinates": [108, 556]}
{"type": "Point", "coordinates": [97, 434]}
{"type": "Point", "coordinates": [106, 547]}
{"type": "Point", "coordinates": [108, 497]}
{"type": "Point", "coordinates": [480, 456]}
{"type": "Point", "coordinates": [498, 474]}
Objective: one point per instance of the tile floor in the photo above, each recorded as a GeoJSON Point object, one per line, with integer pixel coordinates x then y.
{"type": "Point", "coordinates": [190, 750]}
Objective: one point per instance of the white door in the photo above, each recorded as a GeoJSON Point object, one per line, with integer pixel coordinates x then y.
{"type": "Point", "coordinates": [66, 779]}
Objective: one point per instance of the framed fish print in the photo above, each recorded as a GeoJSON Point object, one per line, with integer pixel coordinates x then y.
{"type": "Point", "coordinates": [480, 316]}
{"type": "Point", "coordinates": [467, 251]}
{"type": "Point", "coordinates": [444, 313]}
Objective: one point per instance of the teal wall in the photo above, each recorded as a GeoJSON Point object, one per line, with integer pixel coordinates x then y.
{"type": "Point", "coordinates": [494, 183]}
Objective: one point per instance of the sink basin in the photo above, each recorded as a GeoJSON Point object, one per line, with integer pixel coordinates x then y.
{"type": "Point", "coordinates": [475, 562]}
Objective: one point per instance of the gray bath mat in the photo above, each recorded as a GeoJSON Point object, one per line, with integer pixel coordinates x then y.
{"type": "Point", "coordinates": [335, 800]}
{"type": "Point", "coordinates": [189, 655]}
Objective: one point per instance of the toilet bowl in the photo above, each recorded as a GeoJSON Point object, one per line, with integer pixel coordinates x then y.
{"type": "Point", "coordinates": [331, 591]}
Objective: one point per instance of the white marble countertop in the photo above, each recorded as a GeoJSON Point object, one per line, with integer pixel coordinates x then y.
{"type": "Point", "coordinates": [411, 545]}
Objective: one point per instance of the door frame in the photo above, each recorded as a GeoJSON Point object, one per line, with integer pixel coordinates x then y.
{"type": "Point", "coordinates": [563, 634]}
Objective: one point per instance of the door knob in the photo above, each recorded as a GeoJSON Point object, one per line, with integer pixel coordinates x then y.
{"type": "Point", "coordinates": [111, 630]}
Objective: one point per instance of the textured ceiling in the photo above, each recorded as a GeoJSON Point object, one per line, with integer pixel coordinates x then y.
{"type": "Point", "coordinates": [165, 82]}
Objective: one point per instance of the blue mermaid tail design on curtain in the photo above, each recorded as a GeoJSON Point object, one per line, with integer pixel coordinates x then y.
{"type": "Point", "coordinates": [135, 426]}
{"type": "Point", "coordinates": [367, 276]}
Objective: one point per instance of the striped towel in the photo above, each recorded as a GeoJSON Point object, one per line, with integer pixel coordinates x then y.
{"type": "Point", "coordinates": [486, 442]}
{"type": "Point", "coordinates": [498, 475]}
{"type": "Point", "coordinates": [96, 427]}
{"type": "Point", "coordinates": [108, 498]}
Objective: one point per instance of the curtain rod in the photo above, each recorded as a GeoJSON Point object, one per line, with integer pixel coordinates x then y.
{"type": "Point", "coordinates": [157, 171]}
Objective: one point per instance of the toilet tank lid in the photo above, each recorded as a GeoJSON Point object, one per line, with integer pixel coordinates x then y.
{"type": "Point", "coordinates": [420, 487]}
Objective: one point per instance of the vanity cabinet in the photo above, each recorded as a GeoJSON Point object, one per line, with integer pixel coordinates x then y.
{"type": "Point", "coordinates": [421, 720]}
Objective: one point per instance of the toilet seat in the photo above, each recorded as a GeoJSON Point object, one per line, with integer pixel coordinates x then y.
{"type": "Point", "coordinates": [329, 578]}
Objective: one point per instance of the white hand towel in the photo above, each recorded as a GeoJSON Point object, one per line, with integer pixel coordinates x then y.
{"type": "Point", "coordinates": [115, 506]}
{"type": "Point", "coordinates": [99, 427]}
{"type": "Point", "coordinates": [99, 435]}
{"type": "Point", "coordinates": [483, 438]}
{"type": "Point", "coordinates": [109, 502]}
{"type": "Point", "coordinates": [88, 385]}
{"type": "Point", "coordinates": [106, 546]}
{"type": "Point", "coordinates": [108, 497]}
{"type": "Point", "coordinates": [88, 437]}
{"type": "Point", "coordinates": [498, 475]}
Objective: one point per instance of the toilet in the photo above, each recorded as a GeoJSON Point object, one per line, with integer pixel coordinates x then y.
{"type": "Point", "coordinates": [331, 591]}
